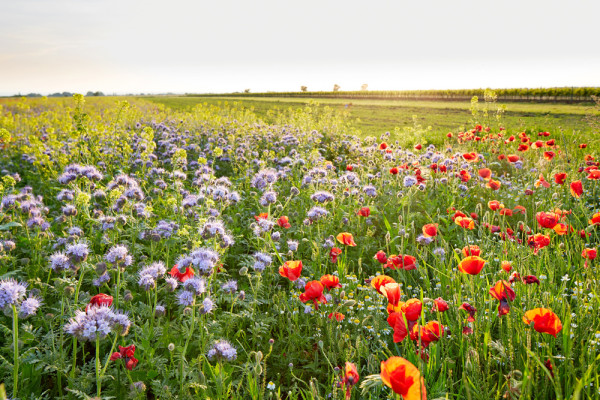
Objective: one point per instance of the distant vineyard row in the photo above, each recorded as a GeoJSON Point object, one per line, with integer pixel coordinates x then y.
{"type": "Point", "coordinates": [563, 94]}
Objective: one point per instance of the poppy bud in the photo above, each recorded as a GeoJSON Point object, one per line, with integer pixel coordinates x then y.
{"type": "Point", "coordinates": [69, 290]}
{"type": "Point", "coordinates": [243, 271]}
{"type": "Point", "coordinates": [128, 296]}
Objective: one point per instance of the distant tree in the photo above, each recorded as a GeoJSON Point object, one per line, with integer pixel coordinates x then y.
{"type": "Point", "coordinates": [246, 90]}
{"type": "Point", "coordinates": [89, 93]}
{"type": "Point", "coordinates": [98, 93]}
{"type": "Point", "coordinates": [336, 87]}
{"type": "Point", "coordinates": [364, 86]}
{"type": "Point", "coordinates": [303, 88]}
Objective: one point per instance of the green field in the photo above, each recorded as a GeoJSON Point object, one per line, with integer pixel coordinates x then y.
{"type": "Point", "coordinates": [375, 117]}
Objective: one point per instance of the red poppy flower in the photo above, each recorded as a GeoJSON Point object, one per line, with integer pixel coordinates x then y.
{"type": "Point", "coordinates": [544, 321]}
{"type": "Point", "coordinates": [291, 270]}
{"type": "Point", "coordinates": [583, 145]}
{"type": "Point", "coordinates": [471, 265]}
{"type": "Point", "coordinates": [403, 378]}
{"type": "Point", "coordinates": [595, 219]}
{"type": "Point", "coordinates": [560, 178]}
{"type": "Point", "coordinates": [440, 305]}
{"type": "Point", "coordinates": [548, 365]}
{"type": "Point", "coordinates": [383, 146]}
{"type": "Point", "coordinates": [431, 332]}
{"type": "Point", "coordinates": [392, 292]}
{"type": "Point", "coordinates": [349, 167]}
{"type": "Point", "coordinates": [334, 253]}
{"type": "Point", "coordinates": [100, 300]}
{"type": "Point", "coordinates": [261, 216]}
{"type": "Point", "coordinates": [529, 279]}
{"type": "Point", "coordinates": [284, 222]}
{"type": "Point", "coordinates": [396, 321]}
{"type": "Point", "coordinates": [430, 230]}
{"type": "Point", "coordinates": [313, 291]}
{"type": "Point", "coordinates": [412, 309]}
{"type": "Point", "coordinates": [127, 354]}
{"type": "Point", "coordinates": [502, 292]}
{"type": "Point", "coordinates": [538, 242]}
{"type": "Point", "coordinates": [506, 212]}
{"type": "Point", "coordinates": [381, 280]}
{"type": "Point", "coordinates": [350, 378]}
{"type": "Point", "coordinates": [576, 189]}
{"type": "Point", "coordinates": [594, 175]}
{"type": "Point", "coordinates": [330, 281]}
{"type": "Point", "coordinates": [404, 262]}
{"type": "Point", "coordinates": [381, 257]}
{"type": "Point", "coordinates": [471, 250]}
{"type": "Point", "coordinates": [346, 238]}
{"type": "Point", "coordinates": [547, 219]}
{"type": "Point", "coordinates": [467, 330]}
{"type": "Point", "coordinates": [470, 157]}
{"type": "Point", "coordinates": [485, 173]}
{"type": "Point", "coordinates": [549, 155]}
{"type": "Point", "coordinates": [364, 212]}
{"type": "Point", "coordinates": [418, 146]}
{"type": "Point", "coordinates": [506, 266]}
{"type": "Point", "coordinates": [495, 205]}
{"type": "Point", "coordinates": [513, 158]}
{"type": "Point", "coordinates": [561, 229]}
{"type": "Point", "coordinates": [590, 254]}
{"type": "Point", "coordinates": [181, 276]}
{"type": "Point", "coordinates": [470, 309]}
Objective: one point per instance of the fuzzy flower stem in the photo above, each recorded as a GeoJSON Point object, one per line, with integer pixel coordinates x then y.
{"type": "Point", "coordinates": [98, 384]}
{"type": "Point", "coordinates": [15, 351]}
{"type": "Point", "coordinates": [187, 342]}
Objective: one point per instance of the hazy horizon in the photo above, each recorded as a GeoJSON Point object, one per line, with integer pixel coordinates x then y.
{"type": "Point", "coordinates": [229, 46]}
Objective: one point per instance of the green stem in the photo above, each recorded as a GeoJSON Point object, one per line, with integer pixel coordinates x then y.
{"type": "Point", "coordinates": [16, 351]}
{"type": "Point", "coordinates": [98, 384]}
{"type": "Point", "coordinates": [74, 358]}
{"type": "Point", "coordinates": [187, 342]}
{"type": "Point", "coordinates": [112, 349]}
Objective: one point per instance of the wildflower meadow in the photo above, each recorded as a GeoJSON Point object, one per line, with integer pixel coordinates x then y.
{"type": "Point", "coordinates": [153, 253]}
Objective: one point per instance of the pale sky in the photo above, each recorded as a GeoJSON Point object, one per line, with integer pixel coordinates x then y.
{"type": "Point", "coordinates": [197, 46]}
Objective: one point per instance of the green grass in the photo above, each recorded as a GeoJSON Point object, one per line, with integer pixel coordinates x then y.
{"type": "Point", "coordinates": [375, 117]}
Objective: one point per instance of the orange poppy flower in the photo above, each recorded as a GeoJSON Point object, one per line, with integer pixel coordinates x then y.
{"type": "Point", "coordinates": [346, 238]}
{"type": "Point", "coordinates": [502, 292]}
{"type": "Point", "coordinates": [494, 185]}
{"type": "Point", "coordinates": [291, 270]}
{"type": "Point", "coordinates": [471, 250]}
{"type": "Point", "coordinates": [471, 265]}
{"type": "Point", "coordinates": [403, 378]}
{"type": "Point", "coordinates": [364, 212]}
{"type": "Point", "coordinates": [412, 309]}
{"type": "Point", "coordinates": [465, 222]}
{"type": "Point", "coordinates": [576, 189]}
{"type": "Point", "coordinates": [394, 308]}
{"type": "Point", "coordinates": [507, 212]}
{"type": "Point", "coordinates": [520, 209]}
{"type": "Point", "coordinates": [261, 216]}
{"type": "Point", "coordinates": [381, 280]}
{"type": "Point", "coordinates": [547, 219]}
{"type": "Point", "coordinates": [313, 291]}
{"type": "Point", "coordinates": [397, 322]}
{"type": "Point", "coordinates": [544, 321]}
{"type": "Point", "coordinates": [583, 145]}
{"type": "Point", "coordinates": [284, 222]}
{"type": "Point", "coordinates": [505, 265]}
{"type": "Point", "coordinates": [485, 173]}
{"type": "Point", "coordinates": [330, 281]}
{"type": "Point", "coordinates": [430, 230]}
{"type": "Point", "coordinates": [541, 182]}
{"type": "Point", "coordinates": [392, 292]}
{"type": "Point", "coordinates": [561, 229]}
{"type": "Point", "coordinates": [337, 315]}
{"type": "Point", "coordinates": [464, 176]}
{"type": "Point", "coordinates": [549, 155]}
{"type": "Point", "coordinates": [560, 178]}
{"type": "Point", "coordinates": [594, 175]}
{"type": "Point", "coordinates": [181, 277]}
{"type": "Point", "coordinates": [350, 378]}
{"type": "Point", "coordinates": [595, 219]}
{"type": "Point", "coordinates": [431, 332]}
{"type": "Point", "coordinates": [495, 205]}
